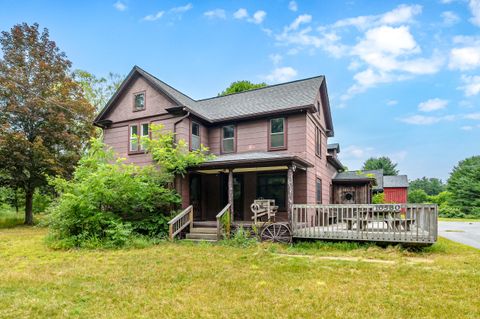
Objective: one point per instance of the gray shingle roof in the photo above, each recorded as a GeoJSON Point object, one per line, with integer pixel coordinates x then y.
{"type": "Point", "coordinates": [282, 97]}
{"type": "Point", "coordinates": [334, 146]}
{"type": "Point", "coordinates": [271, 98]}
{"type": "Point", "coordinates": [362, 175]}
{"type": "Point", "coordinates": [395, 181]}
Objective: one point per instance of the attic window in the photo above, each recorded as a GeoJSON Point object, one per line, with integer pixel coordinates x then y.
{"type": "Point", "coordinates": [139, 101]}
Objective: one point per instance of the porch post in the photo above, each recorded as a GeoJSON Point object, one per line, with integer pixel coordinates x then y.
{"type": "Point", "coordinates": [289, 192]}
{"type": "Point", "coordinates": [230, 191]}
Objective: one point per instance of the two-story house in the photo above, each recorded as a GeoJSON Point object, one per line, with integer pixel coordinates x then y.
{"type": "Point", "coordinates": [269, 142]}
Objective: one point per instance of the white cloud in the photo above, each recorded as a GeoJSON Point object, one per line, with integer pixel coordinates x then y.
{"type": "Point", "coordinates": [182, 9]}
{"type": "Point", "coordinates": [466, 58]}
{"type": "Point", "coordinates": [293, 6]}
{"type": "Point", "coordinates": [432, 105]}
{"type": "Point", "coordinates": [472, 116]}
{"type": "Point", "coordinates": [474, 6]}
{"type": "Point", "coordinates": [392, 102]}
{"type": "Point", "coordinates": [258, 17]}
{"type": "Point", "coordinates": [216, 13]}
{"type": "Point", "coordinates": [281, 74]}
{"type": "Point", "coordinates": [400, 15]}
{"type": "Point", "coordinates": [466, 128]}
{"type": "Point", "coordinates": [301, 19]}
{"type": "Point", "coordinates": [471, 85]}
{"type": "Point", "coordinates": [426, 120]}
{"type": "Point", "coordinates": [276, 58]}
{"type": "Point", "coordinates": [356, 152]}
{"type": "Point", "coordinates": [240, 13]}
{"type": "Point", "coordinates": [449, 18]}
{"type": "Point", "coordinates": [120, 6]}
{"type": "Point", "coordinates": [153, 17]}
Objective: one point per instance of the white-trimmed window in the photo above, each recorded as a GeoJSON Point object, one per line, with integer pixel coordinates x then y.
{"type": "Point", "coordinates": [195, 136]}
{"type": "Point", "coordinates": [137, 131]}
{"type": "Point", "coordinates": [144, 134]}
{"type": "Point", "coordinates": [228, 139]}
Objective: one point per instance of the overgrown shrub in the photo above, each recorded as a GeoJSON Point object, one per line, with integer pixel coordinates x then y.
{"type": "Point", "coordinates": [107, 202]}
{"type": "Point", "coordinates": [41, 201]}
{"type": "Point", "coordinates": [417, 196]}
{"type": "Point", "coordinates": [378, 198]}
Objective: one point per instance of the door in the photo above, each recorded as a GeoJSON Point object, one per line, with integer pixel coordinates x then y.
{"type": "Point", "coordinates": [238, 197]}
{"type": "Point", "coordinates": [196, 195]}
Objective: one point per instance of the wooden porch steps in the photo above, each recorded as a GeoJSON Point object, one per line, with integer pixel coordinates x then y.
{"type": "Point", "coordinates": [202, 234]}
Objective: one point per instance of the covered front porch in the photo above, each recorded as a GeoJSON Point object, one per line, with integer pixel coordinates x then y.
{"type": "Point", "coordinates": [239, 179]}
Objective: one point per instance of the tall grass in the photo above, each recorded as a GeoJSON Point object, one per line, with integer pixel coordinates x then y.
{"type": "Point", "coordinates": [9, 218]}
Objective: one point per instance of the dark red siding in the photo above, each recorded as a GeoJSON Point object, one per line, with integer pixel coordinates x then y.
{"type": "Point", "coordinates": [396, 194]}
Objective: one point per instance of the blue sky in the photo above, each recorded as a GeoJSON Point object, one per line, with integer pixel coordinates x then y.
{"type": "Point", "coordinates": [403, 77]}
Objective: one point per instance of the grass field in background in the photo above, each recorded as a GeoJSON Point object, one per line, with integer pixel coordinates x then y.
{"type": "Point", "coordinates": [186, 280]}
{"type": "Point", "coordinates": [9, 218]}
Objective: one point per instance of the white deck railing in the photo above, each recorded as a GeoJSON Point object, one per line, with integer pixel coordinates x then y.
{"type": "Point", "coordinates": [401, 223]}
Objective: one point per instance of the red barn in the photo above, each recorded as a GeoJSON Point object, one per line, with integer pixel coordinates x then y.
{"type": "Point", "coordinates": [395, 189]}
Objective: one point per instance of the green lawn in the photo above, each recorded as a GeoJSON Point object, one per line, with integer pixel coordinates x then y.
{"type": "Point", "coordinates": [185, 280]}
{"type": "Point", "coordinates": [443, 219]}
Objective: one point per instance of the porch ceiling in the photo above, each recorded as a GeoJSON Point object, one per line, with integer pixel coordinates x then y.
{"type": "Point", "coordinates": [253, 159]}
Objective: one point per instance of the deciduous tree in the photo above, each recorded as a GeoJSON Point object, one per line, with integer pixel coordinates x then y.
{"type": "Point", "coordinates": [240, 86]}
{"type": "Point", "coordinates": [431, 186]}
{"type": "Point", "coordinates": [385, 163]}
{"type": "Point", "coordinates": [44, 118]}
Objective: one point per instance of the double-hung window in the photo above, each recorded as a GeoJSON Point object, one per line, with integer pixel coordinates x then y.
{"type": "Point", "coordinates": [195, 136]}
{"type": "Point", "coordinates": [228, 139]}
{"type": "Point", "coordinates": [277, 138]}
{"type": "Point", "coordinates": [137, 132]}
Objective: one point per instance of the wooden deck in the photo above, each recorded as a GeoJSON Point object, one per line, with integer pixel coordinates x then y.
{"type": "Point", "coordinates": [408, 223]}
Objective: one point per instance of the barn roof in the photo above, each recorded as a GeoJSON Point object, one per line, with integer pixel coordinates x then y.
{"type": "Point", "coordinates": [395, 181]}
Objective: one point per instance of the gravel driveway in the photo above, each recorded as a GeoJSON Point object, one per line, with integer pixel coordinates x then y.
{"type": "Point", "coordinates": [467, 233]}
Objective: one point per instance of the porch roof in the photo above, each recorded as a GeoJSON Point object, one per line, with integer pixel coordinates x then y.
{"type": "Point", "coordinates": [252, 159]}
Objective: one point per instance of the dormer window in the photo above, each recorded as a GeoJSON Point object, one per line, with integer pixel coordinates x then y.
{"type": "Point", "coordinates": [139, 101]}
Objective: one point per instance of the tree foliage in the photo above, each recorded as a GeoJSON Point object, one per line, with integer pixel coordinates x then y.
{"type": "Point", "coordinates": [172, 158]}
{"type": "Point", "coordinates": [44, 118]}
{"type": "Point", "coordinates": [417, 196]}
{"type": "Point", "coordinates": [98, 90]}
{"type": "Point", "coordinates": [431, 186]}
{"type": "Point", "coordinates": [385, 163]}
{"type": "Point", "coordinates": [464, 186]}
{"type": "Point", "coordinates": [240, 86]}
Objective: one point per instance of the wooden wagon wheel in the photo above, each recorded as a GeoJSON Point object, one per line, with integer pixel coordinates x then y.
{"type": "Point", "coordinates": [277, 233]}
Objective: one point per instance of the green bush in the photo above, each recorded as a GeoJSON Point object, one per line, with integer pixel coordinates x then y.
{"type": "Point", "coordinates": [417, 196]}
{"type": "Point", "coordinates": [378, 198]}
{"type": "Point", "coordinates": [108, 202]}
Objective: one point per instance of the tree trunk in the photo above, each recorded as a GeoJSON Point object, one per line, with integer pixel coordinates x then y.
{"type": "Point", "coordinates": [16, 201]}
{"type": "Point", "coordinates": [28, 207]}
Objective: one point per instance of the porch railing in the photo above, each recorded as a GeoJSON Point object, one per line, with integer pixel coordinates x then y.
{"type": "Point", "coordinates": [224, 219]}
{"type": "Point", "coordinates": [179, 222]}
{"type": "Point", "coordinates": [402, 223]}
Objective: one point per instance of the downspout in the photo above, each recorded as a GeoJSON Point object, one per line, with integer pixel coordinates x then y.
{"type": "Point", "coordinates": [176, 122]}
{"type": "Point", "coordinates": [178, 180]}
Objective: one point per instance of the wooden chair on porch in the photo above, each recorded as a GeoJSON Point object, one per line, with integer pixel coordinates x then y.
{"type": "Point", "coordinates": [263, 207]}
